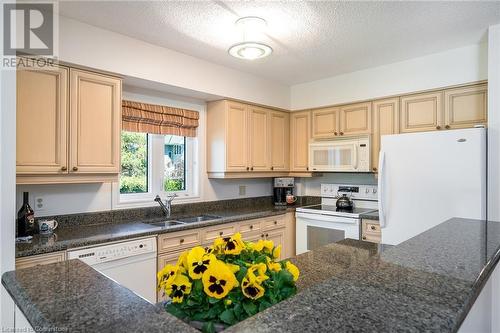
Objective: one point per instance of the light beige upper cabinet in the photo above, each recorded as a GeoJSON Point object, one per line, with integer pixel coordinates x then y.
{"type": "Point", "coordinates": [68, 126]}
{"type": "Point", "coordinates": [280, 141]}
{"type": "Point", "coordinates": [465, 107]}
{"type": "Point", "coordinates": [385, 121]}
{"type": "Point", "coordinates": [237, 136]}
{"type": "Point", "coordinates": [356, 119]}
{"type": "Point", "coordinates": [300, 123]}
{"type": "Point", "coordinates": [42, 121]}
{"type": "Point", "coordinates": [325, 123]}
{"type": "Point", "coordinates": [95, 123]}
{"type": "Point", "coordinates": [259, 139]}
{"type": "Point", "coordinates": [421, 112]}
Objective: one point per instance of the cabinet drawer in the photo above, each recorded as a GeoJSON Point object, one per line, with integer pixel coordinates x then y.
{"type": "Point", "coordinates": [178, 240]}
{"type": "Point", "coordinates": [372, 227]}
{"type": "Point", "coordinates": [273, 223]}
{"type": "Point", "coordinates": [42, 259]}
{"type": "Point", "coordinates": [371, 237]}
{"type": "Point", "coordinates": [223, 230]}
{"type": "Point", "coordinates": [250, 227]}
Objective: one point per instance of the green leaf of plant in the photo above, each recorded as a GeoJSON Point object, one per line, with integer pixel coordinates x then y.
{"type": "Point", "coordinates": [213, 300]}
{"type": "Point", "coordinates": [175, 310]}
{"type": "Point", "coordinates": [227, 316]}
{"type": "Point", "coordinates": [208, 327]}
{"type": "Point", "coordinates": [250, 308]}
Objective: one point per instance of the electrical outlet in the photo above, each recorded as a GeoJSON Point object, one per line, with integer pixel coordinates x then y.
{"type": "Point", "coordinates": [39, 204]}
{"type": "Point", "coordinates": [243, 189]}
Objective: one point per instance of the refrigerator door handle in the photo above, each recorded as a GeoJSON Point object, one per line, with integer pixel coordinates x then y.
{"type": "Point", "coordinates": [381, 189]}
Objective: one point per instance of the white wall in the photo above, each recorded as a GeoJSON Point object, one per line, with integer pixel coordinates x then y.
{"type": "Point", "coordinates": [462, 65]}
{"type": "Point", "coordinates": [77, 198]}
{"type": "Point", "coordinates": [494, 152]}
{"type": "Point", "coordinates": [97, 48]}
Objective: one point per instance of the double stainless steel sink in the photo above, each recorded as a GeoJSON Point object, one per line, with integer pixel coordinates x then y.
{"type": "Point", "coordinates": [184, 220]}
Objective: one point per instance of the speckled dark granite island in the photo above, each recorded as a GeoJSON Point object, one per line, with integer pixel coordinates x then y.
{"type": "Point", "coordinates": [427, 283]}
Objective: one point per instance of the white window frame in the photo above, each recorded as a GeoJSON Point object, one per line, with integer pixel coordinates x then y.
{"type": "Point", "coordinates": [156, 153]}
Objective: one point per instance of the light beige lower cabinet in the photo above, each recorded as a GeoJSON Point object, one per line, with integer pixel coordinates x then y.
{"type": "Point", "coordinates": [370, 231]}
{"type": "Point", "coordinates": [40, 259]}
{"type": "Point", "coordinates": [280, 229]}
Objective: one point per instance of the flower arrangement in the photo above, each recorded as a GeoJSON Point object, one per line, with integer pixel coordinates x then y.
{"type": "Point", "coordinates": [227, 282]}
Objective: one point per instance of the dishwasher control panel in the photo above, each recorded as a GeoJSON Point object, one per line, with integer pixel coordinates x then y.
{"type": "Point", "coordinates": [115, 251]}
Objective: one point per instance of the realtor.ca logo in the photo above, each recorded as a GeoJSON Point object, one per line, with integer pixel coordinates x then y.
{"type": "Point", "coordinates": [28, 29]}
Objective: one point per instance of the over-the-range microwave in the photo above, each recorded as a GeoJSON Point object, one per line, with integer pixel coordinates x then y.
{"type": "Point", "coordinates": [340, 155]}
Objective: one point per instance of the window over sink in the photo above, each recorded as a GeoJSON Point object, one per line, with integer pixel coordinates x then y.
{"type": "Point", "coordinates": [154, 164]}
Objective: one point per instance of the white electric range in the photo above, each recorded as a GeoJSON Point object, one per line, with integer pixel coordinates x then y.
{"type": "Point", "coordinates": [318, 225]}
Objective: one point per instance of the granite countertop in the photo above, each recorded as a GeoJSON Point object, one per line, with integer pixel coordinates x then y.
{"type": "Point", "coordinates": [72, 297]}
{"type": "Point", "coordinates": [85, 234]}
{"type": "Point", "coordinates": [370, 216]}
{"type": "Point", "coordinates": [427, 283]}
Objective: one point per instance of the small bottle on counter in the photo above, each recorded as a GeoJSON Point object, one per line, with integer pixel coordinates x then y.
{"type": "Point", "coordinates": [25, 218]}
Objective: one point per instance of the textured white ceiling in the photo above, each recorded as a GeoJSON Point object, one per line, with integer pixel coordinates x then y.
{"type": "Point", "coordinates": [311, 40]}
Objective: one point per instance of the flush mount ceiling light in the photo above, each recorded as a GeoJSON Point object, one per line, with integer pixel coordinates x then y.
{"type": "Point", "coordinates": [252, 29]}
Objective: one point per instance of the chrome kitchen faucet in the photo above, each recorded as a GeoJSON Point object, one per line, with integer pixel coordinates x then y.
{"type": "Point", "coordinates": [167, 206]}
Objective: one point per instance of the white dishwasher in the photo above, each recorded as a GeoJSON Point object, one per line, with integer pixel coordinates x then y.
{"type": "Point", "coordinates": [131, 263]}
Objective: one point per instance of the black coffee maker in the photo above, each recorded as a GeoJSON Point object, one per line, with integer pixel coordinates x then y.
{"type": "Point", "coordinates": [282, 187]}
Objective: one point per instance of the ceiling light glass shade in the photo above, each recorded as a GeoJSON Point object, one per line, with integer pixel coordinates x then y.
{"type": "Point", "coordinates": [250, 50]}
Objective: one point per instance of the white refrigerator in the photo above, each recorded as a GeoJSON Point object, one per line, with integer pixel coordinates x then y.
{"type": "Point", "coordinates": [427, 178]}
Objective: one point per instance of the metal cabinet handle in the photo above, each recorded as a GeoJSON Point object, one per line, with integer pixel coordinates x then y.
{"type": "Point", "coordinates": [267, 235]}
{"type": "Point", "coordinates": [447, 127]}
{"type": "Point", "coordinates": [438, 127]}
{"type": "Point", "coordinates": [335, 133]}
{"type": "Point", "coordinates": [75, 168]}
{"type": "Point", "coordinates": [372, 227]}
{"type": "Point", "coordinates": [181, 240]}
{"type": "Point", "coordinates": [275, 222]}
{"type": "Point", "coordinates": [251, 227]}
{"type": "Point", "coordinates": [251, 168]}
{"type": "Point", "coordinates": [272, 168]}
{"type": "Point", "coordinates": [64, 168]}
{"type": "Point", "coordinates": [341, 133]}
{"type": "Point", "coordinates": [374, 169]}
{"type": "Point", "coordinates": [262, 236]}
{"type": "Point", "coordinates": [248, 168]}
{"type": "Point", "coordinates": [364, 237]}
{"type": "Point", "coordinates": [221, 233]}
{"type": "Point", "coordinates": [307, 168]}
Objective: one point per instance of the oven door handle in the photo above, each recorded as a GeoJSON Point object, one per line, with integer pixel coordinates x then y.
{"type": "Point", "coordinates": [326, 218]}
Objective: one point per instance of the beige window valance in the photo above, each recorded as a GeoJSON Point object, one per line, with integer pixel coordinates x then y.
{"type": "Point", "coordinates": [158, 119]}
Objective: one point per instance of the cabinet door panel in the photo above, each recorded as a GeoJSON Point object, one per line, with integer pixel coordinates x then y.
{"type": "Point", "coordinates": [280, 134]}
{"type": "Point", "coordinates": [237, 137]}
{"type": "Point", "coordinates": [385, 121]}
{"type": "Point", "coordinates": [42, 115]}
{"type": "Point", "coordinates": [95, 123]}
{"type": "Point", "coordinates": [466, 107]}
{"type": "Point", "coordinates": [355, 119]}
{"type": "Point", "coordinates": [422, 112]}
{"type": "Point", "coordinates": [299, 127]}
{"type": "Point", "coordinates": [278, 237]}
{"type": "Point", "coordinates": [259, 139]}
{"type": "Point", "coordinates": [325, 123]}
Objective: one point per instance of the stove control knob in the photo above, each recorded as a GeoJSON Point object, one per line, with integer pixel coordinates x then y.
{"type": "Point", "coordinates": [374, 190]}
{"type": "Point", "coordinates": [367, 190]}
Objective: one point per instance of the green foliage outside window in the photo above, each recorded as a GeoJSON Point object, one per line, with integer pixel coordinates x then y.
{"type": "Point", "coordinates": [134, 160]}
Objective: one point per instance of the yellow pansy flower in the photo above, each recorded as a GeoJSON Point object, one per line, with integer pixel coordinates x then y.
{"type": "Point", "coordinates": [198, 261]}
{"type": "Point", "coordinates": [182, 262]}
{"type": "Point", "coordinates": [218, 280]}
{"type": "Point", "coordinates": [179, 287]}
{"type": "Point", "coordinates": [257, 273]}
{"type": "Point", "coordinates": [234, 268]}
{"type": "Point", "coordinates": [167, 275]}
{"type": "Point", "coordinates": [273, 266]}
{"type": "Point", "coordinates": [230, 245]}
{"type": "Point", "coordinates": [263, 245]}
{"type": "Point", "coordinates": [251, 289]}
{"type": "Point", "coordinates": [293, 270]}
{"type": "Point", "coordinates": [277, 252]}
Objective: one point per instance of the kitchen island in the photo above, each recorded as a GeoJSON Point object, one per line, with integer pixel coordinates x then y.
{"type": "Point", "coordinates": [428, 283]}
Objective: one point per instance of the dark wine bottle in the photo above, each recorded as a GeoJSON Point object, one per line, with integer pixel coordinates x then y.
{"type": "Point", "coordinates": [25, 219]}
